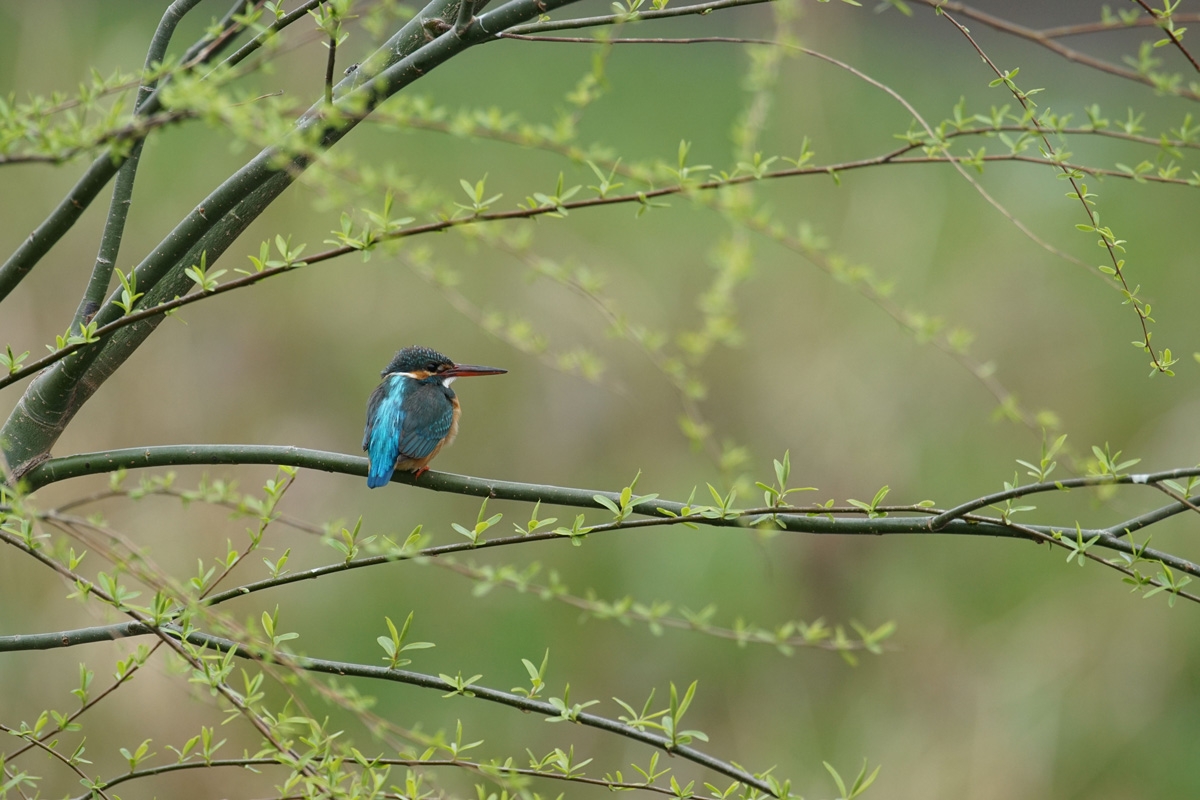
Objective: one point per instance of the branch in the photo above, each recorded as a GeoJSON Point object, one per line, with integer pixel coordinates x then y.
{"type": "Point", "coordinates": [1151, 479]}
{"type": "Point", "coordinates": [796, 520]}
{"type": "Point", "coordinates": [163, 635]}
{"type": "Point", "coordinates": [1103, 27]}
{"type": "Point", "coordinates": [466, 16]}
{"type": "Point", "coordinates": [633, 40]}
{"type": "Point", "coordinates": [481, 768]}
{"type": "Point", "coordinates": [343, 668]}
{"type": "Point", "coordinates": [1046, 40]}
{"type": "Point", "coordinates": [60, 220]}
{"type": "Point", "coordinates": [56, 396]}
{"type": "Point", "coordinates": [330, 64]}
{"type": "Point", "coordinates": [138, 129]}
{"type": "Point", "coordinates": [1107, 239]}
{"type": "Point", "coordinates": [246, 50]}
{"type": "Point", "coordinates": [55, 226]}
{"type": "Point", "coordinates": [1165, 21]}
{"type": "Point", "coordinates": [51, 751]}
{"type": "Point", "coordinates": [894, 157]}
{"type": "Point", "coordinates": [618, 19]}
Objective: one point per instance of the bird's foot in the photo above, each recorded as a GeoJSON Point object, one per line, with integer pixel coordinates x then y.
{"type": "Point", "coordinates": [420, 472]}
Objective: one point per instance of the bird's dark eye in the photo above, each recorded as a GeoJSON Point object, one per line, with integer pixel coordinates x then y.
{"type": "Point", "coordinates": [433, 367]}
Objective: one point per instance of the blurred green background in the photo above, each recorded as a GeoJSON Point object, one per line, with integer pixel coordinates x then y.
{"type": "Point", "coordinates": [1012, 674]}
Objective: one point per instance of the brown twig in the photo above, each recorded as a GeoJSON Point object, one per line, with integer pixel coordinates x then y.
{"type": "Point", "coordinates": [1041, 38]}
{"type": "Point", "coordinates": [1167, 25]}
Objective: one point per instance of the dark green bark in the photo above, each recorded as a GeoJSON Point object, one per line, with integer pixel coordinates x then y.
{"type": "Point", "coordinates": [56, 395]}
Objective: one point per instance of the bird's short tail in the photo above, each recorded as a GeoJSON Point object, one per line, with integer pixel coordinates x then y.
{"type": "Point", "coordinates": [380, 474]}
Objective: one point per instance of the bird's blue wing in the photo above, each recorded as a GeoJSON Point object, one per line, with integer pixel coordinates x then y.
{"type": "Point", "coordinates": [428, 417]}
{"type": "Point", "coordinates": [405, 420]}
{"type": "Point", "coordinates": [381, 439]}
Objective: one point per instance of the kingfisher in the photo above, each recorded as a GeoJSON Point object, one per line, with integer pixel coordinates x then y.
{"type": "Point", "coordinates": [414, 413]}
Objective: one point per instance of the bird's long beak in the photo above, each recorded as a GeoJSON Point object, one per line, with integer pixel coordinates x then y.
{"type": "Point", "coordinates": [470, 370]}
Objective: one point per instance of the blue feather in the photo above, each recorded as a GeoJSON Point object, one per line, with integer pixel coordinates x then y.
{"type": "Point", "coordinates": [407, 420]}
{"type": "Point", "coordinates": [385, 418]}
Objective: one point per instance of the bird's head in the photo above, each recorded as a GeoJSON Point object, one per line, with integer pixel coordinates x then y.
{"type": "Point", "coordinates": [423, 364]}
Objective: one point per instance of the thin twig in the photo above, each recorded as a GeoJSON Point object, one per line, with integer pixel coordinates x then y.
{"type": "Point", "coordinates": [53, 753]}
{"type": "Point", "coordinates": [1103, 27]}
{"type": "Point", "coordinates": [1167, 27]}
{"type": "Point", "coordinates": [1048, 42]}
{"type": "Point", "coordinates": [618, 19]}
{"type": "Point", "coordinates": [634, 40]}
{"type": "Point", "coordinates": [483, 769]}
{"type": "Point", "coordinates": [891, 157]}
{"type": "Point", "coordinates": [137, 618]}
{"type": "Point", "coordinates": [1109, 242]}
{"type": "Point", "coordinates": [330, 65]}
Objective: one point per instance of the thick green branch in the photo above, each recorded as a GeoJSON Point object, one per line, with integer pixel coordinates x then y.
{"type": "Point", "coordinates": [53, 640]}
{"type": "Point", "coordinates": [64, 468]}
{"type": "Point", "coordinates": [47, 234]}
{"type": "Point", "coordinates": [122, 196]}
{"type": "Point", "coordinates": [56, 396]}
{"type": "Point", "coordinates": [618, 19]}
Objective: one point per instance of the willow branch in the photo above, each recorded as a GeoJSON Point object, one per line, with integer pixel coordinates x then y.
{"type": "Point", "coordinates": [1107, 240]}
{"type": "Point", "coordinates": [84, 778]}
{"type": "Point", "coordinates": [481, 768]}
{"type": "Point", "coordinates": [1082, 28]}
{"type": "Point", "coordinates": [637, 40]}
{"type": "Point", "coordinates": [1152, 478]}
{"type": "Point", "coordinates": [617, 19]}
{"type": "Point", "coordinates": [56, 396]}
{"type": "Point", "coordinates": [894, 157]}
{"type": "Point", "coordinates": [161, 633]}
{"type": "Point", "coordinates": [343, 668]}
{"type": "Point", "coordinates": [330, 64]}
{"type": "Point", "coordinates": [1047, 41]}
{"type": "Point", "coordinates": [248, 49]}
{"type": "Point", "coordinates": [1146, 520]}
{"type": "Point", "coordinates": [1165, 22]}
{"type": "Point", "coordinates": [466, 17]}
{"type": "Point", "coordinates": [66, 467]}
{"type": "Point", "coordinates": [60, 220]}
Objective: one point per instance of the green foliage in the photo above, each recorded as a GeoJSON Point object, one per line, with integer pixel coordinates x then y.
{"type": "Point", "coordinates": [241, 664]}
{"type": "Point", "coordinates": [861, 783]}
{"type": "Point", "coordinates": [394, 643]}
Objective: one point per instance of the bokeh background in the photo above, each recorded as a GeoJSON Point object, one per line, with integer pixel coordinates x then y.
{"type": "Point", "coordinates": [1012, 673]}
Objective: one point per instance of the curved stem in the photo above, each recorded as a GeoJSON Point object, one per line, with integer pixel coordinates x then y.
{"type": "Point", "coordinates": [939, 521]}
{"type": "Point", "coordinates": [66, 467]}
{"type": "Point", "coordinates": [618, 19]}
{"type": "Point", "coordinates": [474, 766]}
{"type": "Point", "coordinates": [147, 311]}
{"type": "Point", "coordinates": [57, 395]}
{"type": "Point", "coordinates": [47, 234]}
{"type": "Point", "coordinates": [244, 52]}
{"type": "Point", "coordinates": [343, 668]}
{"type": "Point", "coordinates": [122, 196]}
{"type": "Point", "coordinates": [55, 226]}
{"type": "Point", "coordinates": [1046, 39]}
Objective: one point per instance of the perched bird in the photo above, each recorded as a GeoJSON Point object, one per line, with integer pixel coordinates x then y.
{"type": "Point", "coordinates": [414, 413]}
